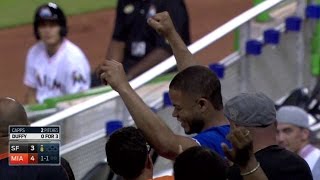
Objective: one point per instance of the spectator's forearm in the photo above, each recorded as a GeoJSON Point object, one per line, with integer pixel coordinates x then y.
{"type": "Point", "coordinates": [181, 52]}
{"type": "Point", "coordinates": [253, 171]}
{"type": "Point", "coordinates": [157, 133]}
{"type": "Point", "coordinates": [116, 50]}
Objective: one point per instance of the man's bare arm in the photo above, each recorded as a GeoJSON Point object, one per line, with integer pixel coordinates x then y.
{"type": "Point", "coordinates": [157, 133]}
{"type": "Point", "coordinates": [162, 23]}
{"type": "Point", "coordinates": [116, 50]}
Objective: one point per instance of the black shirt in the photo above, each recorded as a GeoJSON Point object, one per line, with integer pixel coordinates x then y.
{"type": "Point", "coordinates": [140, 39]}
{"type": "Point", "coordinates": [62, 172]}
{"type": "Point", "coordinates": [278, 164]}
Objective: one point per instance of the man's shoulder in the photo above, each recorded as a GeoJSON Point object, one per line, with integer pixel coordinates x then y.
{"type": "Point", "coordinates": [217, 131]}
{"type": "Point", "coordinates": [73, 53]}
{"type": "Point", "coordinates": [72, 48]}
{"type": "Point", "coordinates": [278, 152]}
{"type": "Point", "coordinates": [213, 137]}
{"type": "Point", "coordinates": [36, 49]}
{"type": "Point", "coordinates": [67, 168]}
{"type": "Point", "coordinates": [38, 46]}
{"type": "Point", "coordinates": [283, 163]}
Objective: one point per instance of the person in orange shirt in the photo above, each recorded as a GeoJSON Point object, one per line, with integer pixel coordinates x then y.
{"type": "Point", "coordinates": [164, 178]}
{"type": "Point", "coordinates": [128, 155]}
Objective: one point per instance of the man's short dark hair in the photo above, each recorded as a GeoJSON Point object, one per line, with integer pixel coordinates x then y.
{"type": "Point", "coordinates": [199, 163]}
{"type": "Point", "coordinates": [127, 152]}
{"type": "Point", "coordinates": [199, 81]}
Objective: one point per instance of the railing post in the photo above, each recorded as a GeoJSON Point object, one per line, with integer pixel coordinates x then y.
{"type": "Point", "coordinates": [300, 59]}
{"type": "Point", "coordinates": [301, 6]}
{"type": "Point", "coordinates": [244, 72]}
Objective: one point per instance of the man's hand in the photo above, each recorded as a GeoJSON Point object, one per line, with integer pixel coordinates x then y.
{"type": "Point", "coordinates": [113, 74]}
{"type": "Point", "coordinates": [242, 154]}
{"type": "Point", "coordinates": [162, 23]}
{"type": "Point", "coordinates": [98, 71]}
{"type": "Point", "coordinates": [241, 141]}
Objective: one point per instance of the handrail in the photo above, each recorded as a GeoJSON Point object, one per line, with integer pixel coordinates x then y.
{"type": "Point", "coordinates": [165, 65]}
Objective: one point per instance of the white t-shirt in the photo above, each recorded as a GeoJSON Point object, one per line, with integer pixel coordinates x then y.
{"type": "Point", "coordinates": [311, 155]}
{"type": "Point", "coordinates": [66, 72]}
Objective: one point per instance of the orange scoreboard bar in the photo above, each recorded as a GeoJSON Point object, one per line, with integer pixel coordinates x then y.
{"type": "Point", "coordinates": [34, 145]}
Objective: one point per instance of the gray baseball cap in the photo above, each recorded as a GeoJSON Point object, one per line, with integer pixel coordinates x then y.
{"type": "Point", "coordinates": [251, 110]}
{"type": "Point", "coordinates": [293, 115]}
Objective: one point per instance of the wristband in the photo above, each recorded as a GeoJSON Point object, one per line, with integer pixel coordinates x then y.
{"type": "Point", "coordinates": [252, 171]}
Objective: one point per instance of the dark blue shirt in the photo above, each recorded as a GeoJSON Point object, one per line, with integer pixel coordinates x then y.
{"type": "Point", "coordinates": [140, 39]}
{"type": "Point", "coordinates": [213, 137]}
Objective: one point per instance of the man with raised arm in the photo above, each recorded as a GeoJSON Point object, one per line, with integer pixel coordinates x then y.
{"type": "Point", "coordinates": [195, 93]}
{"type": "Point", "coordinates": [196, 96]}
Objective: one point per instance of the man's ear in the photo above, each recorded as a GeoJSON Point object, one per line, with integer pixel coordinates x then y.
{"type": "Point", "coordinates": [305, 134]}
{"type": "Point", "coordinates": [203, 104]}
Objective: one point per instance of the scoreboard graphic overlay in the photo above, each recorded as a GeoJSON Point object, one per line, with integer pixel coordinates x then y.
{"type": "Point", "coordinates": [34, 145]}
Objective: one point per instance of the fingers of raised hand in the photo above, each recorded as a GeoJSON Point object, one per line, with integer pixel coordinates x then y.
{"type": "Point", "coordinates": [239, 137]}
{"type": "Point", "coordinates": [109, 68]}
{"type": "Point", "coordinates": [229, 153]}
{"type": "Point", "coordinates": [243, 135]}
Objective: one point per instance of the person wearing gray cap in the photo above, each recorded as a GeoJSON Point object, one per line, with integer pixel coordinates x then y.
{"type": "Point", "coordinates": [293, 134]}
{"type": "Point", "coordinates": [256, 112]}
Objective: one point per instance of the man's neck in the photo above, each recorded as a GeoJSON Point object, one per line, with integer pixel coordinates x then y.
{"type": "Point", "coordinates": [258, 147]}
{"type": "Point", "coordinates": [263, 140]}
{"type": "Point", "coordinates": [216, 119]}
{"type": "Point", "coordinates": [52, 49]}
{"type": "Point", "coordinates": [145, 175]}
